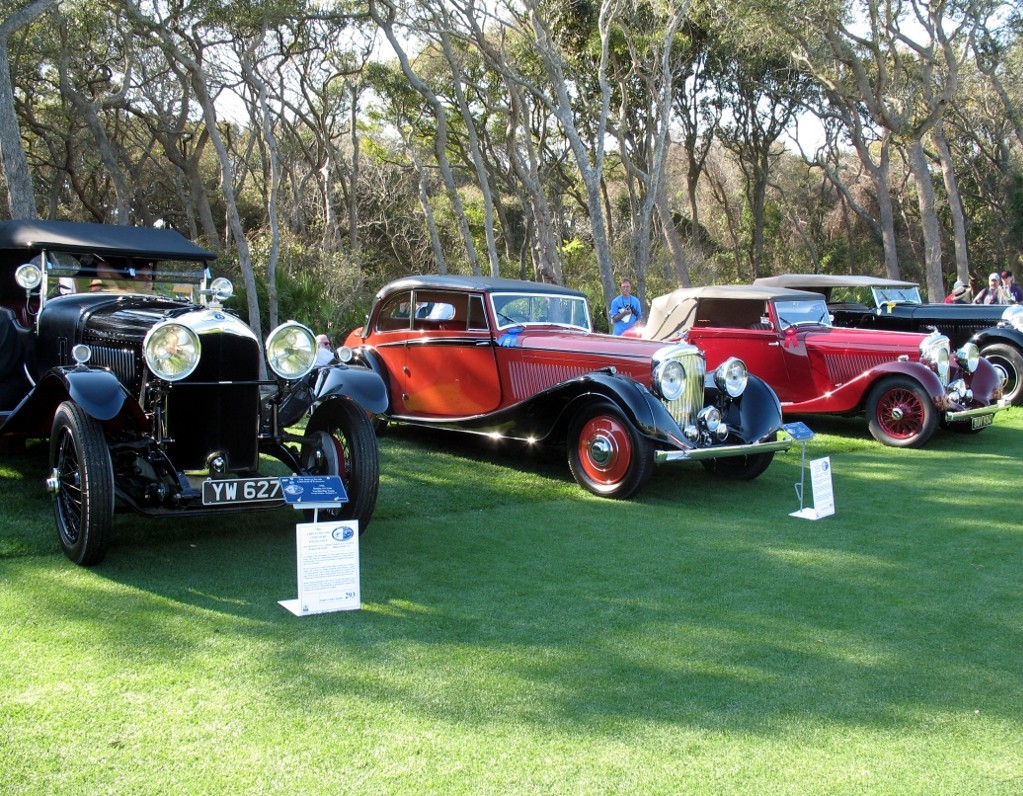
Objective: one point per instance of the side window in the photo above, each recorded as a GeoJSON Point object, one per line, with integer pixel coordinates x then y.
{"type": "Point", "coordinates": [396, 313]}
{"type": "Point", "coordinates": [440, 311]}
{"type": "Point", "coordinates": [477, 315]}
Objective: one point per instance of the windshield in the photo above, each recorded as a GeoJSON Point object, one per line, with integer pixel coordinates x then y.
{"type": "Point", "coordinates": [899, 295]}
{"type": "Point", "coordinates": [525, 309]}
{"type": "Point", "coordinates": [92, 274]}
{"type": "Point", "coordinates": [802, 313]}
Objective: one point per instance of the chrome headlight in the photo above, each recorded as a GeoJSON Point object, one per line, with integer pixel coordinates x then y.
{"type": "Point", "coordinates": [28, 276]}
{"type": "Point", "coordinates": [1014, 316]}
{"type": "Point", "coordinates": [291, 350]}
{"type": "Point", "coordinates": [968, 357]}
{"type": "Point", "coordinates": [731, 376]}
{"type": "Point", "coordinates": [934, 353]}
{"type": "Point", "coordinates": [669, 379]}
{"type": "Point", "coordinates": [172, 351]}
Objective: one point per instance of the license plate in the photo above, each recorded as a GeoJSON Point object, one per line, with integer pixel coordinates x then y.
{"type": "Point", "coordinates": [981, 421]}
{"type": "Point", "coordinates": [241, 490]}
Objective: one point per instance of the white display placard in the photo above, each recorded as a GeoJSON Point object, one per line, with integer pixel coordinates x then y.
{"type": "Point", "coordinates": [328, 568]}
{"type": "Point", "coordinates": [823, 491]}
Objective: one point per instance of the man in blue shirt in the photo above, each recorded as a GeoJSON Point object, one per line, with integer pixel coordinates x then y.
{"type": "Point", "coordinates": [625, 309]}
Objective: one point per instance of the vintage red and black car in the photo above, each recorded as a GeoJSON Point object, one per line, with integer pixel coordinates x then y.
{"type": "Point", "coordinates": [868, 302]}
{"type": "Point", "coordinates": [115, 344]}
{"type": "Point", "coordinates": [519, 360]}
{"type": "Point", "coordinates": [906, 383]}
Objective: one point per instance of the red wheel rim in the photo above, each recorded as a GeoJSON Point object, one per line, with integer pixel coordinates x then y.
{"type": "Point", "coordinates": [605, 450]}
{"type": "Point", "coordinates": [900, 413]}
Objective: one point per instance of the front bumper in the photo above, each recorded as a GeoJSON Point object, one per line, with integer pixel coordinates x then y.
{"type": "Point", "coordinates": [955, 417]}
{"type": "Point", "coordinates": [722, 451]}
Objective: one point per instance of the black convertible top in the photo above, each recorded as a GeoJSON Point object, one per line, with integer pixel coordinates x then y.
{"type": "Point", "coordinates": [485, 284]}
{"type": "Point", "coordinates": [100, 239]}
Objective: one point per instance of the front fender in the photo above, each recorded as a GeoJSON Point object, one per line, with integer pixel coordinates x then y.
{"type": "Point", "coordinates": [1003, 335]}
{"type": "Point", "coordinates": [362, 385]}
{"type": "Point", "coordinates": [98, 392]}
{"type": "Point", "coordinates": [849, 397]}
{"type": "Point", "coordinates": [755, 415]}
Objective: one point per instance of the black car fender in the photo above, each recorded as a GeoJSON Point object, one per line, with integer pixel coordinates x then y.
{"type": "Point", "coordinates": [1003, 335]}
{"type": "Point", "coordinates": [755, 415]}
{"type": "Point", "coordinates": [97, 391]}
{"type": "Point", "coordinates": [361, 384]}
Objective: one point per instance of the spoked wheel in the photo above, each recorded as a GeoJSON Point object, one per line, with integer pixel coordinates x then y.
{"type": "Point", "coordinates": [1009, 363]}
{"type": "Point", "coordinates": [345, 445]}
{"type": "Point", "coordinates": [740, 468]}
{"type": "Point", "coordinates": [82, 482]}
{"type": "Point", "coordinates": [606, 453]}
{"type": "Point", "coordinates": [900, 413]}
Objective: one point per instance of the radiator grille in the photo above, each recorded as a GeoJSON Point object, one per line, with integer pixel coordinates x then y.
{"type": "Point", "coordinates": [685, 407]}
{"type": "Point", "coordinates": [122, 361]}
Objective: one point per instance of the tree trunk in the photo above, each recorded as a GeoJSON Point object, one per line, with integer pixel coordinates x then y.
{"type": "Point", "coordinates": [928, 219]}
{"type": "Point", "coordinates": [20, 191]}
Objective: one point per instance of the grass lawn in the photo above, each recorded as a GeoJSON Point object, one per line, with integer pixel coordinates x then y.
{"type": "Point", "coordinates": [519, 636]}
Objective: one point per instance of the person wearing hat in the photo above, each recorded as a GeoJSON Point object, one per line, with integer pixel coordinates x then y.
{"type": "Point", "coordinates": [1013, 292]}
{"type": "Point", "coordinates": [992, 294]}
{"type": "Point", "coordinates": [958, 295]}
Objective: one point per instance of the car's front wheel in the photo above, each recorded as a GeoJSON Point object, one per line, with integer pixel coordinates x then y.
{"type": "Point", "coordinates": [606, 453]}
{"type": "Point", "coordinates": [82, 480]}
{"type": "Point", "coordinates": [1009, 363]}
{"type": "Point", "coordinates": [900, 413]}
{"type": "Point", "coordinates": [345, 445]}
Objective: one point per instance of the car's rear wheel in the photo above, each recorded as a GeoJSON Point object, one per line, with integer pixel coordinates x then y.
{"type": "Point", "coordinates": [82, 479]}
{"type": "Point", "coordinates": [346, 446]}
{"type": "Point", "coordinates": [900, 413]}
{"type": "Point", "coordinates": [1009, 363]}
{"type": "Point", "coordinates": [740, 468]}
{"type": "Point", "coordinates": [606, 453]}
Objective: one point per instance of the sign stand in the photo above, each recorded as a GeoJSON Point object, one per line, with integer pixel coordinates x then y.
{"type": "Point", "coordinates": [327, 552]}
{"type": "Point", "coordinates": [820, 477]}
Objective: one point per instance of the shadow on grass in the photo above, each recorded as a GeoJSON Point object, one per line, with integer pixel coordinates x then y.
{"type": "Point", "coordinates": [495, 590]}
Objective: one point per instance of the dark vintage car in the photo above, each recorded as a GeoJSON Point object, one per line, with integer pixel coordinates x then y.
{"type": "Point", "coordinates": [906, 383]}
{"type": "Point", "coordinates": [519, 360]}
{"type": "Point", "coordinates": [867, 302]}
{"type": "Point", "coordinates": [115, 344]}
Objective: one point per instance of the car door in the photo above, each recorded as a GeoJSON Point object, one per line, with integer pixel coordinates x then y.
{"type": "Point", "coordinates": [450, 368]}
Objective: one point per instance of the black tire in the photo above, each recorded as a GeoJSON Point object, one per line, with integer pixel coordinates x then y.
{"type": "Point", "coordinates": [83, 476]}
{"type": "Point", "coordinates": [346, 446]}
{"type": "Point", "coordinates": [740, 468]}
{"type": "Point", "coordinates": [900, 413]}
{"type": "Point", "coordinates": [606, 453]}
{"type": "Point", "coordinates": [1009, 362]}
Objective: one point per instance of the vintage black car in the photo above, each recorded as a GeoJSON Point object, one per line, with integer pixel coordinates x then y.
{"type": "Point", "coordinates": [867, 302]}
{"type": "Point", "coordinates": [115, 344]}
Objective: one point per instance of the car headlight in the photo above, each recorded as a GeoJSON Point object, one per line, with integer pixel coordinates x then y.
{"type": "Point", "coordinates": [731, 376]}
{"type": "Point", "coordinates": [1014, 316]}
{"type": "Point", "coordinates": [934, 354]}
{"type": "Point", "coordinates": [291, 350]}
{"type": "Point", "coordinates": [669, 379]}
{"type": "Point", "coordinates": [968, 357]}
{"type": "Point", "coordinates": [29, 276]}
{"type": "Point", "coordinates": [172, 351]}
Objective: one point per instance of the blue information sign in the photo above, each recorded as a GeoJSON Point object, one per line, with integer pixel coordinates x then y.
{"type": "Point", "coordinates": [800, 432]}
{"type": "Point", "coordinates": [313, 491]}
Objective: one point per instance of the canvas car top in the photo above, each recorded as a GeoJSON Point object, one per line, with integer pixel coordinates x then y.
{"type": "Point", "coordinates": [100, 239]}
{"type": "Point", "coordinates": [815, 281]}
{"type": "Point", "coordinates": [676, 311]}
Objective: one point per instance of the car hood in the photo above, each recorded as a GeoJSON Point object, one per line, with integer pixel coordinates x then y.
{"type": "Point", "coordinates": [860, 340]}
{"type": "Point", "coordinates": [570, 341]}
